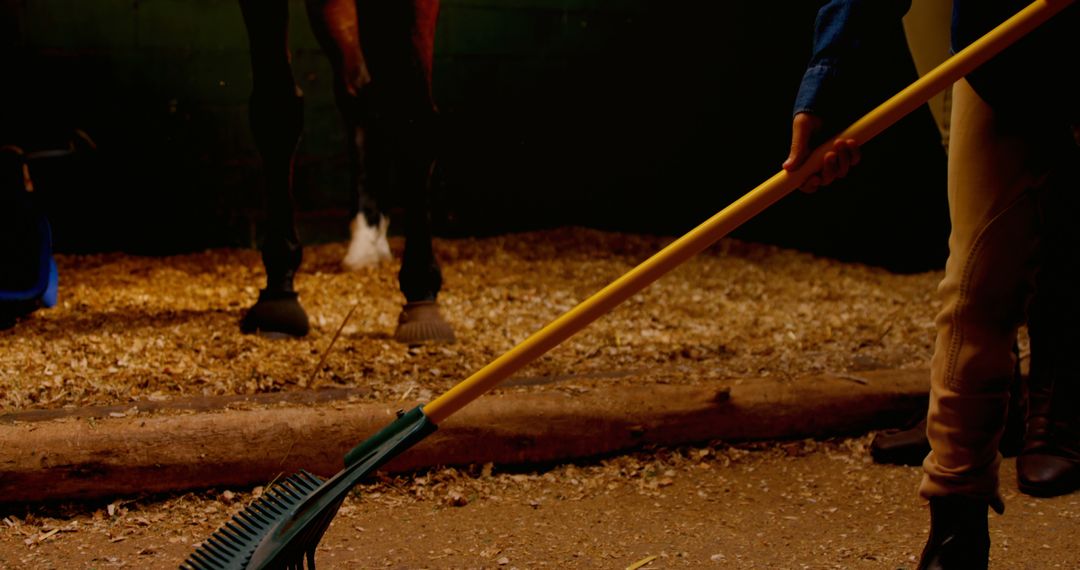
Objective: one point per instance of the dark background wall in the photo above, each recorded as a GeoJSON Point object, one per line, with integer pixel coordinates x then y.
{"type": "Point", "coordinates": [635, 115]}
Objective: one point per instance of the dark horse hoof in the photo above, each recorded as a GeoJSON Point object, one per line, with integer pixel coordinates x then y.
{"type": "Point", "coordinates": [277, 314]}
{"type": "Point", "coordinates": [421, 322]}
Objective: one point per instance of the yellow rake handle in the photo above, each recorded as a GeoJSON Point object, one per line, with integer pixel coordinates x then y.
{"type": "Point", "coordinates": [743, 209]}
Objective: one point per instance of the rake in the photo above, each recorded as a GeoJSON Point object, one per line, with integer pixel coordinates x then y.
{"type": "Point", "coordinates": [284, 526]}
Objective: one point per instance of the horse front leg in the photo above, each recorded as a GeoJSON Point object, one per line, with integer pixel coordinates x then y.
{"type": "Point", "coordinates": [277, 119]}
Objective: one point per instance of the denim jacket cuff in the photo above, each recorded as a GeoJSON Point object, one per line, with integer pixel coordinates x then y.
{"type": "Point", "coordinates": [809, 98]}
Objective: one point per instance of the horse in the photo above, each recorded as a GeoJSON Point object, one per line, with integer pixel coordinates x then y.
{"type": "Point", "coordinates": [381, 53]}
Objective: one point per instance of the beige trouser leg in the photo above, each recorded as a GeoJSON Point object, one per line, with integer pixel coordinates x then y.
{"type": "Point", "coordinates": [987, 282]}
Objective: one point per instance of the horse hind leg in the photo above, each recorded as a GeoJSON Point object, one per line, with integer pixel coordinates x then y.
{"type": "Point", "coordinates": [368, 245]}
{"type": "Point", "coordinates": [335, 25]}
{"type": "Point", "coordinates": [399, 39]}
{"type": "Point", "coordinates": [421, 321]}
{"type": "Point", "coordinates": [276, 108]}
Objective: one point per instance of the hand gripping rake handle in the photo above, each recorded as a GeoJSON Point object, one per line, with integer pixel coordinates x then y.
{"type": "Point", "coordinates": [740, 211]}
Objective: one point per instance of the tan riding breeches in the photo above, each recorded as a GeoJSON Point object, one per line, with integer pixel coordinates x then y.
{"type": "Point", "coordinates": [996, 169]}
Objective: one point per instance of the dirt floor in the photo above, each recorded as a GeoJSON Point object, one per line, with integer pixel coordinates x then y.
{"type": "Point", "coordinates": [129, 329]}
{"type": "Point", "coordinates": [791, 505]}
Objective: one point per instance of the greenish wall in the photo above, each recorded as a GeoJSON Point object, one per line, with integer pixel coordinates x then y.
{"type": "Point", "coordinates": [625, 114]}
{"type": "Point", "coordinates": [164, 83]}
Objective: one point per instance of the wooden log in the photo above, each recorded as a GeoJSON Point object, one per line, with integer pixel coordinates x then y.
{"type": "Point", "coordinates": [76, 458]}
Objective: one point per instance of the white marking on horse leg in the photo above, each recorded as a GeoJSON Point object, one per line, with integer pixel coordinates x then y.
{"type": "Point", "coordinates": [368, 245]}
{"type": "Point", "coordinates": [382, 246]}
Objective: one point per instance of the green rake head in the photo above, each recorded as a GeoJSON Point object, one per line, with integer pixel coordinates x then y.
{"type": "Point", "coordinates": [283, 527]}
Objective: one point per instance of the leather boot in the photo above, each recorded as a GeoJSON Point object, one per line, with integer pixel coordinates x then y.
{"type": "Point", "coordinates": [904, 447]}
{"type": "Point", "coordinates": [1049, 464]}
{"type": "Point", "coordinates": [959, 535]}
{"type": "Point", "coordinates": [910, 446]}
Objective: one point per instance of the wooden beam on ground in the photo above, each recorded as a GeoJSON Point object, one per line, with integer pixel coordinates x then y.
{"type": "Point", "coordinates": [74, 458]}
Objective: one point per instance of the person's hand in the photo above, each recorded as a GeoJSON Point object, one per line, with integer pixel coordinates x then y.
{"type": "Point", "coordinates": [836, 163]}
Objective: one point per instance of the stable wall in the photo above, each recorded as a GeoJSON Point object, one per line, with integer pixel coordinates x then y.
{"type": "Point", "coordinates": [640, 115]}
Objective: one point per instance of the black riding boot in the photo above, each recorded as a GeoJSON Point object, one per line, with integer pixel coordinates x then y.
{"type": "Point", "coordinates": [1049, 464]}
{"type": "Point", "coordinates": [959, 537]}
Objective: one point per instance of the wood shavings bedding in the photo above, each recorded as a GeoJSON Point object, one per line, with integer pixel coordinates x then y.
{"type": "Point", "coordinates": [132, 328]}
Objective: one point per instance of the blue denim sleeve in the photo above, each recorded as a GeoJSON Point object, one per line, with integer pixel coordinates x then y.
{"type": "Point", "coordinates": [841, 28]}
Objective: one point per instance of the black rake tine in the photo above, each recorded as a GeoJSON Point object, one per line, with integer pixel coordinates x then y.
{"type": "Point", "coordinates": [239, 528]}
{"type": "Point", "coordinates": [247, 516]}
{"type": "Point", "coordinates": [230, 534]}
{"type": "Point", "coordinates": [214, 556]}
{"type": "Point", "coordinates": [263, 508]}
{"type": "Point", "coordinates": [202, 559]}
{"type": "Point", "coordinates": [290, 493]}
{"type": "Point", "coordinates": [213, 550]}
{"type": "Point", "coordinates": [273, 498]}
{"type": "Point", "coordinates": [227, 544]}
{"type": "Point", "coordinates": [266, 509]}
{"type": "Point", "coordinates": [215, 541]}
